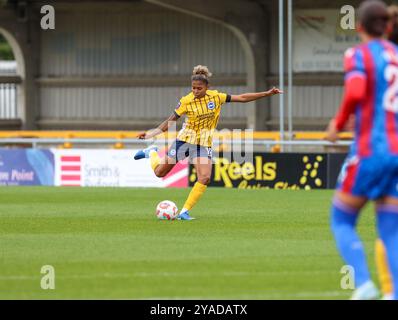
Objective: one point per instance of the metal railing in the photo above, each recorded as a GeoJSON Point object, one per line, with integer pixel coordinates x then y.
{"type": "Point", "coordinates": [8, 101]}
{"type": "Point", "coordinates": [119, 143]}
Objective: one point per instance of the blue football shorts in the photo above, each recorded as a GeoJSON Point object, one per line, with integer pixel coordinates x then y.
{"type": "Point", "coordinates": [180, 150]}
{"type": "Point", "coordinates": [371, 177]}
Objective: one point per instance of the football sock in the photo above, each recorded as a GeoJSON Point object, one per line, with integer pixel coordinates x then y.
{"type": "Point", "coordinates": [382, 268]}
{"type": "Point", "coordinates": [343, 222]}
{"type": "Point", "coordinates": [387, 225]}
{"type": "Point", "coordinates": [194, 196]}
{"type": "Point", "coordinates": [154, 158]}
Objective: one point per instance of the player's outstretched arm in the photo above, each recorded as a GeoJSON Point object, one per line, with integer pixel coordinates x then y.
{"type": "Point", "coordinates": [163, 127]}
{"type": "Point", "coordinates": [248, 97]}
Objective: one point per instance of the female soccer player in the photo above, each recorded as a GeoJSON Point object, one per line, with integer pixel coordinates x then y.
{"type": "Point", "coordinates": [371, 169]}
{"type": "Point", "coordinates": [380, 251]}
{"type": "Point", "coordinates": [202, 108]}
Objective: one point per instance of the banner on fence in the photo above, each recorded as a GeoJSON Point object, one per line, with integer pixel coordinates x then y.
{"type": "Point", "coordinates": [111, 168]}
{"type": "Point", "coordinates": [116, 168]}
{"type": "Point", "coordinates": [275, 171]}
{"type": "Point", "coordinates": [26, 167]}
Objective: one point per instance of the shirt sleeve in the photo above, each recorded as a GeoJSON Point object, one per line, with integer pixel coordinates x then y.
{"type": "Point", "coordinates": [354, 63]}
{"type": "Point", "coordinates": [354, 86]}
{"type": "Point", "coordinates": [354, 92]}
{"type": "Point", "coordinates": [224, 97]}
{"type": "Point", "coordinates": [181, 108]}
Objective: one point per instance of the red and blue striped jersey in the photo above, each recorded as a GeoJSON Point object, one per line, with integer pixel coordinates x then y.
{"type": "Point", "coordinates": [375, 65]}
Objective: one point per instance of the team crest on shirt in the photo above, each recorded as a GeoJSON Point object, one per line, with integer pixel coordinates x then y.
{"type": "Point", "coordinates": [211, 105]}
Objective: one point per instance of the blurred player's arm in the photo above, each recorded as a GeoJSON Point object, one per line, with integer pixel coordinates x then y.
{"type": "Point", "coordinates": [354, 93]}
{"type": "Point", "coordinates": [163, 127]}
{"type": "Point", "coordinates": [247, 97]}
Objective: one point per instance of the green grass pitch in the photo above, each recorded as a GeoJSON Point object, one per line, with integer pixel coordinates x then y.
{"type": "Point", "coordinates": [106, 243]}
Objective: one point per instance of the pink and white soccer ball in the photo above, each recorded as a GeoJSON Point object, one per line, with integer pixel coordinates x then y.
{"type": "Point", "coordinates": [166, 210]}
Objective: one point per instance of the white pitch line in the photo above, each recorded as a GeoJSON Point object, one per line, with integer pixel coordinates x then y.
{"type": "Point", "coordinates": [263, 296]}
{"type": "Point", "coordinates": [166, 274]}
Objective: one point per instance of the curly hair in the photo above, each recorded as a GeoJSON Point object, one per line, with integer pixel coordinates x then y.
{"type": "Point", "coordinates": [201, 73]}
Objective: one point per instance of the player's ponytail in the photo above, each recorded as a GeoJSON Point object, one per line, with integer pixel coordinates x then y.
{"type": "Point", "coordinates": [373, 16]}
{"type": "Point", "coordinates": [201, 73]}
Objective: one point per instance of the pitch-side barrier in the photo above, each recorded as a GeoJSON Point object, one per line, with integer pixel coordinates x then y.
{"type": "Point", "coordinates": [119, 143]}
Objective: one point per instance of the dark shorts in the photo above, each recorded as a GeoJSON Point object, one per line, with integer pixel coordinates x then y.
{"type": "Point", "coordinates": [372, 177]}
{"type": "Point", "coordinates": [180, 150]}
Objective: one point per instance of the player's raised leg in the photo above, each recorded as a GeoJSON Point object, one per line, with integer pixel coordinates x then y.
{"type": "Point", "coordinates": [344, 217]}
{"type": "Point", "coordinates": [162, 169]}
{"type": "Point", "coordinates": [159, 167]}
{"type": "Point", "coordinates": [203, 166]}
{"type": "Point", "coordinates": [145, 153]}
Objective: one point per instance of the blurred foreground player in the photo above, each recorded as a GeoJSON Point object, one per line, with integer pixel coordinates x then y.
{"type": "Point", "coordinates": [380, 250]}
{"type": "Point", "coordinates": [371, 169]}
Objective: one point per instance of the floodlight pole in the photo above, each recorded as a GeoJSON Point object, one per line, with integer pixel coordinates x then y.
{"type": "Point", "coordinates": [290, 68]}
{"type": "Point", "coordinates": [281, 73]}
